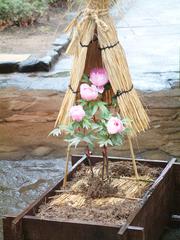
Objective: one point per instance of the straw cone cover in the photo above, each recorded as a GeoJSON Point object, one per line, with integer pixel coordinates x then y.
{"type": "Point", "coordinates": [94, 27]}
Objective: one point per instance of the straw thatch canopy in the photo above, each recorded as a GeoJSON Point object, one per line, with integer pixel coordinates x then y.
{"type": "Point", "coordinates": [95, 44]}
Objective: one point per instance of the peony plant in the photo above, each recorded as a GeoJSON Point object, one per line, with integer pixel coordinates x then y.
{"type": "Point", "coordinates": [92, 121]}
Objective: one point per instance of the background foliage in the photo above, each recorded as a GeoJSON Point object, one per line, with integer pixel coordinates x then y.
{"type": "Point", "coordinates": [23, 12]}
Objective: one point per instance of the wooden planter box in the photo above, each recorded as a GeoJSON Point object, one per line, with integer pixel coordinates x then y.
{"type": "Point", "coordinates": [161, 205]}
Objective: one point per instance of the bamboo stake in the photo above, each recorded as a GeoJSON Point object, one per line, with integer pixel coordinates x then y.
{"type": "Point", "coordinates": [133, 159]}
{"type": "Point", "coordinates": [66, 167]}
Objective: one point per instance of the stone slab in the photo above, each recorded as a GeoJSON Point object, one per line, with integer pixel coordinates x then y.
{"type": "Point", "coordinates": [26, 63]}
{"type": "Point", "coordinates": [4, 58]}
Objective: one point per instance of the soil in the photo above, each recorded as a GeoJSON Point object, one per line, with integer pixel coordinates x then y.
{"type": "Point", "coordinates": [109, 201]}
{"type": "Point", "coordinates": [126, 170]}
{"type": "Point", "coordinates": [35, 39]}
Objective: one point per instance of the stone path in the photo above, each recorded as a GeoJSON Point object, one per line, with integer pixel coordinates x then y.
{"type": "Point", "coordinates": [150, 35]}
{"type": "Point", "coordinates": [10, 63]}
{"type": "Point", "coordinates": [13, 57]}
{"type": "Point", "coordinates": [22, 182]}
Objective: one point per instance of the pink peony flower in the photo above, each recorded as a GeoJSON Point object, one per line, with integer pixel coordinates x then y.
{"type": "Point", "coordinates": [99, 77]}
{"type": "Point", "coordinates": [115, 125]}
{"type": "Point", "coordinates": [100, 89]}
{"type": "Point", "coordinates": [77, 113]}
{"type": "Point", "coordinates": [88, 93]}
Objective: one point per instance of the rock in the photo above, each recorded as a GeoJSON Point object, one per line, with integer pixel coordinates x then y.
{"type": "Point", "coordinates": [8, 67]}
{"type": "Point", "coordinates": [8, 152]}
{"type": "Point", "coordinates": [36, 65]}
{"type": "Point", "coordinates": [155, 154]}
{"type": "Point", "coordinates": [168, 99]}
{"type": "Point", "coordinates": [29, 65]}
{"type": "Point", "coordinates": [9, 62]}
{"type": "Point", "coordinates": [63, 40]}
{"type": "Point", "coordinates": [151, 139]}
{"type": "Point", "coordinates": [45, 64]}
{"type": "Point", "coordinates": [6, 148]}
{"type": "Point", "coordinates": [172, 148]}
{"type": "Point", "coordinates": [28, 116]}
{"type": "Point", "coordinates": [53, 55]}
{"type": "Point", "coordinates": [175, 85]}
{"type": "Point", "coordinates": [40, 118]}
{"type": "Point", "coordinates": [19, 155]}
{"type": "Point", "coordinates": [58, 49]}
{"type": "Point", "coordinates": [42, 151]}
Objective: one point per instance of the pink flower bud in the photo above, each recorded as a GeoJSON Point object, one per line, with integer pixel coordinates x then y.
{"type": "Point", "coordinates": [88, 93]}
{"type": "Point", "coordinates": [115, 125]}
{"type": "Point", "coordinates": [99, 77]}
{"type": "Point", "coordinates": [77, 113]}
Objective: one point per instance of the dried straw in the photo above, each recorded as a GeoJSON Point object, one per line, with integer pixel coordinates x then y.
{"type": "Point", "coordinates": [75, 198]}
{"type": "Point", "coordinates": [95, 21]}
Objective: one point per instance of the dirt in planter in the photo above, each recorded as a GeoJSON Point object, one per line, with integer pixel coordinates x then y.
{"type": "Point", "coordinates": [105, 202]}
{"type": "Point", "coordinates": [116, 213]}
{"type": "Point", "coordinates": [98, 188]}
{"type": "Point", "coordinates": [121, 169]}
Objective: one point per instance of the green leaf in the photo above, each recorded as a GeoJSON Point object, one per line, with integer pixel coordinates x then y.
{"type": "Point", "coordinates": [114, 101]}
{"type": "Point", "coordinates": [85, 79]}
{"type": "Point", "coordinates": [87, 140]}
{"type": "Point", "coordinates": [105, 115]}
{"type": "Point", "coordinates": [73, 141]}
{"type": "Point", "coordinates": [107, 86]}
{"type": "Point", "coordinates": [91, 147]}
{"type": "Point", "coordinates": [106, 143]}
{"type": "Point", "coordinates": [55, 132]}
{"type": "Point", "coordinates": [94, 126]}
{"type": "Point", "coordinates": [69, 130]}
{"type": "Point", "coordinates": [117, 139]}
{"type": "Point", "coordinates": [76, 125]}
{"type": "Point", "coordinates": [86, 123]}
{"type": "Point", "coordinates": [103, 133]}
{"type": "Point", "coordinates": [82, 102]}
{"type": "Point", "coordinates": [103, 108]}
{"type": "Point", "coordinates": [94, 110]}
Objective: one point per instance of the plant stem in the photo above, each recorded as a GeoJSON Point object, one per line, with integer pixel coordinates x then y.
{"type": "Point", "coordinates": [89, 160]}
{"type": "Point", "coordinates": [103, 167]}
{"type": "Point", "coordinates": [105, 162]}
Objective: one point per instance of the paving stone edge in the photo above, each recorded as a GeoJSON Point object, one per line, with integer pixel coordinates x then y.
{"type": "Point", "coordinates": [33, 64]}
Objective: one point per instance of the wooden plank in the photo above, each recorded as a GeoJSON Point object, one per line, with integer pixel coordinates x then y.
{"type": "Point", "coordinates": [176, 205]}
{"type": "Point", "coordinates": [175, 221]}
{"type": "Point", "coordinates": [135, 233]}
{"type": "Point", "coordinates": [175, 218]}
{"type": "Point", "coordinates": [95, 159]}
{"type": "Point", "coordinates": [9, 232]}
{"type": "Point", "coordinates": [41, 229]}
{"type": "Point", "coordinates": [154, 214]}
{"type": "Point", "coordinates": [132, 233]}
